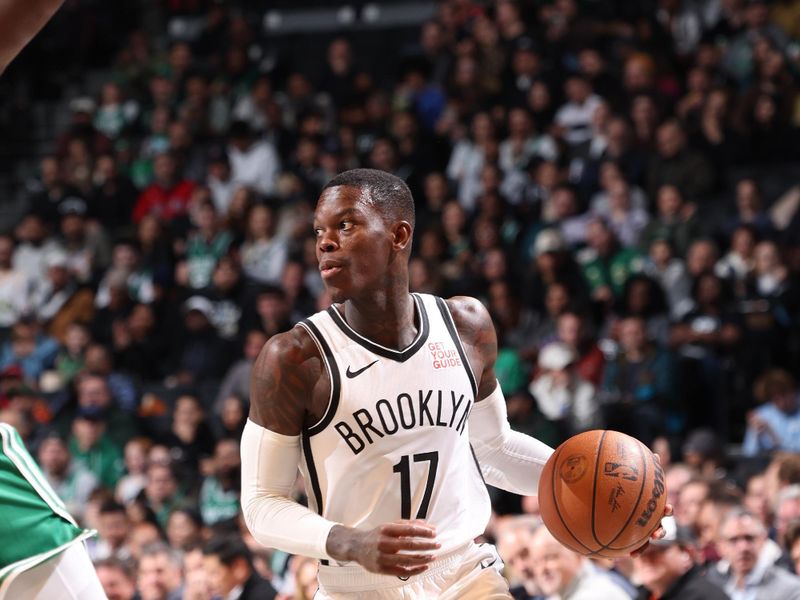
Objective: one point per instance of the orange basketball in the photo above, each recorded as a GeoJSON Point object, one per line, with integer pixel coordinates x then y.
{"type": "Point", "coordinates": [602, 493]}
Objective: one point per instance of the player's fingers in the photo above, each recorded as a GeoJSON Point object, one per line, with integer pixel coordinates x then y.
{"type": "Point", "coordinates": [406, 543]}
{"type": "Point", "coordinates": [668, 510]}
{"type": "Point", "coordinates": [409, 530]}
{"type": "Point", "coordinates": [658, 533]}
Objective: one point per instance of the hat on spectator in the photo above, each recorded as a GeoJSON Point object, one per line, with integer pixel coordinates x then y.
{"type": "Point", "coordinates": [56, 258]}
{"type": "Point", "coordinates": [82, 104]}
{"type": "Point", "coordinates": [556, 356]}
{"type": "Point", "coordinates": [548, 240]}
{"type": "Point", "coordinates": [73, 205]}
{"type": "Point", "coordinates": [675, 534]}
{"type": "Point", "coordinates": [201, 304]}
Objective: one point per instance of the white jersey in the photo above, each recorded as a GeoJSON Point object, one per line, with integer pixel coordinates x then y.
{"type": "Point", "coordinates": [394, 441]}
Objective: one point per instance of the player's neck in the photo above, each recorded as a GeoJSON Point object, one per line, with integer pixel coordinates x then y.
{"type": "Point", "coordinates": [386, 319]}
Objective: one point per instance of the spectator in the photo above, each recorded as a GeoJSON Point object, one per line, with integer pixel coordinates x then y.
{"type": "Point", "coordinates": [159, 573]}
{"type": "Point", "coordinates": [254, 163]}
{"type": "Point", "coordinates": [562, 573]}
{"type": "Point", "coordinates": [15, 287]}
{"type": "Point", "coordinates": [116, 578]}
{"type": "Point", "coordinates": [675, 164]}
{"type": "Point", "coordinates": [572, 329]}
{"type": "Point", "coordinates": [229, 565]}
{"type": "Point", "coordinates": [607, 266]}
{"type": "Point", "coordinates": [161, 493]}
{"type": "Point", "coordinates": [196, 354]}
{"type": "Point", "coordinates": [91, 446]}
{"type": "Point", "coordinates": [787, 511]}
{"type": "Point", "coordinates": [638, 387]}
{"type": "Point", "coordinates": [264, 253]}
{"type": "Point", "coordinates": [28, 348]}
{"type": "Point", "coordinates": [70, 479]}
{"type": "Point", "coordinates": [776, 423]}
{"type": "Point", "coordinates": [668, 568]}
{"type": "Point", "coordinates": [575, 116]}
{"type": "Point", "coordinates": [168, 196]}
{"type": "Point", "coordinates": [561, 394]}
{"type": "Point", "coordinates": [676, 220]}
{"type": "Point", "coordinates": [742, 540]}
{"type": "Point", "coordinates": [237, 379]}
{"type": "Point", "coordinates": [189, 439]}
{"type": "Point", "coordinates": [206, 246]}
{"type": "Point", "coordinates": [184, 528]}
{"type": "Point", "coordinates": [670, 272]}
{"type": "Point", "coordinates": [135, 478]}
{"type": "Point", "coordinates": [792, 537]}
{"type": "Point", "coordinates": [113, 529]}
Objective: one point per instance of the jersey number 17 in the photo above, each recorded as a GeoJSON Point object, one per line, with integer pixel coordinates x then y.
{"type": "Point", "coordinates": [404, 468]}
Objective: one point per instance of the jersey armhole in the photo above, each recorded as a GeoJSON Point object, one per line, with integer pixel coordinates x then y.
{"type": "Point", "coordinates": [451, 328]}
{"type": "Point", "coordinates": [333, 374]}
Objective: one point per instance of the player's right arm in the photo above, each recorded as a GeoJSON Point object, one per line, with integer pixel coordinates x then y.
{"type": "Point", "coordinates": [289, 389]}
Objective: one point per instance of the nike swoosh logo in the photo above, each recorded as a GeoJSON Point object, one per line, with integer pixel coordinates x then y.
{"type": "Point", "coordinates": [350, 374]}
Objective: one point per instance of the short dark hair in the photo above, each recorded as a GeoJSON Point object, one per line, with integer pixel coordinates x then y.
{"type": "Point", "coordinates": [110, 507]}
{"type": "Point", "coordinates": [116, 564]}
{"type": "Point", "coordinates": [387, 192]}
{"type": "Point", "coordinates": [228, 548]}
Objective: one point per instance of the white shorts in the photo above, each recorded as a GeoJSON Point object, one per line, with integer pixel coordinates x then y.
{"type": "Point", "coordinates": [469, 573]}
{"type": "Point", "coordinates": [69, 575]}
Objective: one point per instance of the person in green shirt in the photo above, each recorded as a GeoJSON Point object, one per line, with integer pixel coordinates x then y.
{"type": "Point", "coordinates": [219, 494]}
{"type": "Point", "coordinates": [607, 266]}
{"type": "Point", "coordinates": [90, 446]}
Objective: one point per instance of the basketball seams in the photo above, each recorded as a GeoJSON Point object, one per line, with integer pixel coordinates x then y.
{"type": "Point", "coordinates": [558, 510]}
{"type": "Point", "coordinates": [635, 509]}
{"type": "Point", "coordinates": [599, 451]}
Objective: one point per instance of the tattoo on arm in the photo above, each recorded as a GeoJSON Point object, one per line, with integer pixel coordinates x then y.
{"type": "Point", "coordinates": [283, 381]}
{"type": "Point", "coordinates": [477, 332]}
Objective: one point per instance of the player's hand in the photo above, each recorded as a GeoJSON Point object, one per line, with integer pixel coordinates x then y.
{"type": "Point", "coordinates": [402, 548]}
{"type": "Point", "coordinates": [657, 534]}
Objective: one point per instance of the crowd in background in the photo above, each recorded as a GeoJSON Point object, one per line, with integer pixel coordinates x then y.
{"type": "Point", "coordinates": [609, 178]}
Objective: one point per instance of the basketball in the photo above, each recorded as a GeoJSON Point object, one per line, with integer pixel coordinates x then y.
{"type": "Point", "coordinates": [602, 493]}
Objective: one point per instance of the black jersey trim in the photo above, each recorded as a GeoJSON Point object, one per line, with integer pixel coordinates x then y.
{"type": "Point", "coordinates": [451, 327]}
{"type": "Point", "coordinates": [333, 373]}
{"type": "Point", "coordinates": [312, 475]}
{"type": "Point", "coordinates": [396, 355]}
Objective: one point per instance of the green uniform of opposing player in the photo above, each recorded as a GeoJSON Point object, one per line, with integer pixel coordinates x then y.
{"type": "Point", "coordinates": [35, 531]}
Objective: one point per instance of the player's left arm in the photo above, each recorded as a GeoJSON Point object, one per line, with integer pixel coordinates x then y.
{"type": "Point", "coordinates": [509, 460]}
{"type": "Point", "coordinates": [20, 21]}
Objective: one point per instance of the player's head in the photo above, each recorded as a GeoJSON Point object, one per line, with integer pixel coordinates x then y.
{"type": "Point", "coordinates": [364, 223]}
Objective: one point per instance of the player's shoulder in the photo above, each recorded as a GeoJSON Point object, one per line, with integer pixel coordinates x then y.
{"type": "Point", "coordinates": [469, 314]}
{"type": "Point", "coordinates": [290, 348]}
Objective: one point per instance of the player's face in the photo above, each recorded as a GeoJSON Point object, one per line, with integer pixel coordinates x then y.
{"type": "Point", "coordinates": [354, 244]}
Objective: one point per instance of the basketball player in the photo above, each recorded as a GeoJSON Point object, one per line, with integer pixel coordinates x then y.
{"type": "Point", "coordinates": [42, 556]}
{"type": "Point", "coordinates": [389, 403]}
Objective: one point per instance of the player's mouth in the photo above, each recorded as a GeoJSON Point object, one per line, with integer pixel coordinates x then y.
{"type": "Point", "coordinates": [329, 268]}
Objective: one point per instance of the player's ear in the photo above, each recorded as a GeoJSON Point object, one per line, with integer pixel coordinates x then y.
{"type": "Point", "coordinates": [402, 233]}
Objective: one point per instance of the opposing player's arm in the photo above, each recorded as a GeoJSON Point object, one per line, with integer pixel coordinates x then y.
{"type": "Point", "coordinates": [289, 387]}
{"type": "Point", "coordinates": [20, 21]}
{"type": "Point", "coordinates": [509, 460]}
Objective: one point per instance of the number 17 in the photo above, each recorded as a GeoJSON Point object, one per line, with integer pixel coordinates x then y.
{"type": "Point", "coordinates": [403, 467]}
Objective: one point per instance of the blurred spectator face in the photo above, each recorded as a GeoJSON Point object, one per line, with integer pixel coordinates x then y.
{"type": "Point", "coordinates": [158, 577]}
{"type": "Point", "coordinates": [741, 539]}
{"type": "Point", "coordinates": [181, 530]}
{"type": "Point", "coordinates": [180, 57]}
{"type": "Point", "coordinates": [188, 412]}
{"type": "Point", "coordinates": [539, 98]}
{"type": "Point", "coordinates": [76, 339]}
{"type": "Point", "coordinates": [340, 56]}
{"type": "Point", "coordinates": [590, 61]}
{"type": "Point", "coordinates": [206, 217]}
{"type": "Point", "coordinates": [196, 584]}
{"type": "Point", "coordinates": [638, 72]}
{"type": "Point", "coordinates": [87, 432]}
{"type": "Point", "coordinates": [164, 170]}
{"type": "Point", "coordinates": [113, 527]}
{"type": "Point", "coordinates": [701, 258]}
{"type": "Point", "coordinates": [233, 414]}
{"type": "Point", "coordinates": [743, 242]}
{"type": "Point", "coordinates": [383, 156]}
{"type": "Point", "coordinates": [658, 567]}
{"type": "Point", "coordinates": [632, 335]}
{"type": "Point", "coordinates": [661, 253]}
{"type": "Point", "coordinates": [141, 321]}
{"type": "Point", "coordinates": [142, 534]}
{"type": "Point", "coordinates": [670, 140]}
{"type": "Point", "coordinates": [767, 258]}
{"type": "Point", "coordinates": [619, 197]}
{"type": "Point", "coordinates": [748, 197]}
{"type": "Point", "coordinates": [756, 499]}
{"type": "Point", "coordinates": [271, 306]}
{"type": "Point", "coordinates": [577, 90]}
{"type": "Point", "coordinates": [223, 578]}
{"type": "Point", "coordinates": [50, 171]}
{"type": "Point", "coordinates": [30, 229]}
{"type": "Point", "coordinates": [556, 299]}
{"type": "Point", "coordinates": [161, 483]}
{"type": "Point", "coordinates": [453, 218]}
{"type": "Point", "coordinates": [708, 522]}
{"type": "Point", "coordinates": [644, 112]}
{"type": "Point", "coordinates": [599, 237]}
{"type": "Point", "coordinates": [135, 456]}
{"type": "Point", "coordinates": [569, 329]}
{"type": "Point", "coordinates": [435, 190]}
{"type": "Point", "coordinates": [519, 123]}
{"type": "Point", "coordinates": [54, 456]}
{"type": "Point", "coordinates": [709, 290]}
{"type": "Point", "coordinates": [260, 222]}
{"type": "Point", "coordinates": [116, 583]}
{"type": "Point", "coordinates": [677, 476]}
{"type": "Point", "coordinates": [73, 226]}
{"type": "Point", "coordinates": [670, 202]}
{"type": "Point", "coordinates": [431, 38]}
{"type": "Point", "coordinates": [639, 296]}
{"type": "Point", "coordinates": [227, 460]}
{"type": "Point", "coordinates": [554, 566]}
{"type": "Point", "coordinates": [23, 339]}
{"type": "Point", "coordinates": [513, 544]}
{"type": "Point", "coordinates": [98, 360]}
{"type": "Point", "coordinates": [124, 257]}
{"type": "Point", "coordinates": [482, 128]}
{"type": "Point", "coordinates": [564, 203]}
{"type": "Point", "coordinates": [494, 265]}
{"type": "Point", "coordinates": [93, 391]}
{"type": "Point", "coordinates": [787, 511]}
{"type": "Point", "coordinates": [690, 500]}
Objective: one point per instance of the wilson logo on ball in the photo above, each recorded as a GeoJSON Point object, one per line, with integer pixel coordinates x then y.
{"type": "Point", "coordinates": [652, 504]}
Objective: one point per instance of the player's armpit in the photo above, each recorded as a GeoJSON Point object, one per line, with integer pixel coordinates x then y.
{"type": "Point", "coordinates": [283, 382]}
